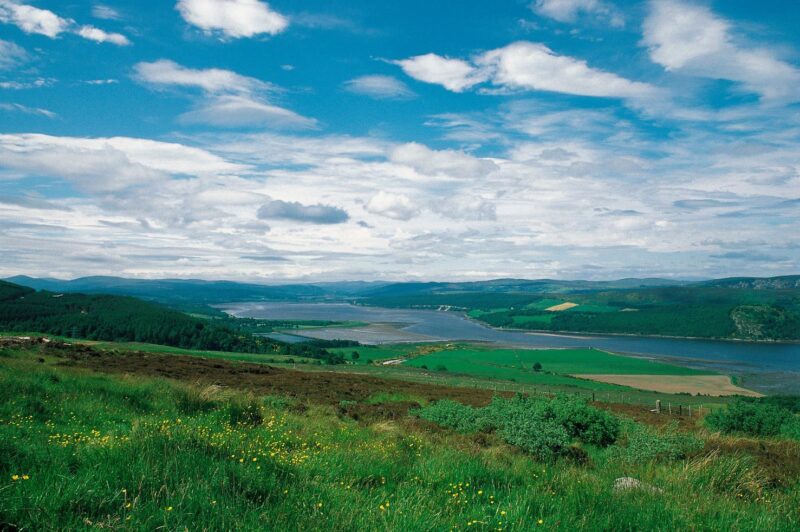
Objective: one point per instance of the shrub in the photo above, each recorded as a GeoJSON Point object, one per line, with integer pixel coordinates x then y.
{"type": "Point", "coordinates": [791, 429]}
{"type": "Point", "coordinates": [453, 415]}
{"type": "Point", "coordinates": [585, 422]}
{"type": "Point", "coordinates": [647, 445]}
{"type": "Point", "coordinates": [755, 419]}
{"type": "Point", "coordinates": [789, 402]}
{"type": "Point", "coordinates": [545, 440]}
{"type": "Point", "coordinates": [542, 427]}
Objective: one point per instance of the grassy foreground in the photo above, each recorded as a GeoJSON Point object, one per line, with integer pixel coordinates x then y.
{"type": "Point", "coordinates": [80, 450]}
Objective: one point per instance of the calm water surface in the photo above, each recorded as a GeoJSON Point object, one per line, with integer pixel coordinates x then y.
{"type": "Point", "coordinates": [768, 367]}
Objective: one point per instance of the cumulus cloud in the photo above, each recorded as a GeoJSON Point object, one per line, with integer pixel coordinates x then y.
{"type": "Point", "coordinates": [233, 18]}
{"type": "Point", "coordinates": [525, 66]}
{"type": "Point", "coordinates": [533, 66]}
{"type": "Point", "coordinates": [691, 39]}
{"type": "Point", "coordinates": [11, 55]}
{"type": "Point", "coordinates": [444, 163]}
{"type": "Point", "coordinates": [231, 100]}
{"type": "Point", "coordinates": [453, 74]}
{"type": "Point", "coordinates": [395, 206]}
{"type": "Point", "coordinates": [379, 87]}
{"type": "Point", "coordinates": [568, 10]}
{"type": "Point", "coordinates": [44, 22]}
{"type": "Point", "coordinates": [98, 35]}
{"type": "Point", "coordinates": [295, 211]}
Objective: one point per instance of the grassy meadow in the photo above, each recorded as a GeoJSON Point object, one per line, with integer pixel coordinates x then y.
{"type": "Point", "coordinates": [80, 450]}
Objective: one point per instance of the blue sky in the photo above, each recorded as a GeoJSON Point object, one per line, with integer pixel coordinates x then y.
{"type": "Point", "coordinates": [418, 140]}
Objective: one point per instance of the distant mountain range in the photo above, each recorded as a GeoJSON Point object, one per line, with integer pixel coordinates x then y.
{"type": "Point", "coordinates": [201, 291]}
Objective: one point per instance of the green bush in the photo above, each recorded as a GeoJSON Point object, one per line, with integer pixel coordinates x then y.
{"type": "Point", "coordinates": [546, 440]}
{"type": "Point", "coordinates": [647, 445]}
{"type": "Point", "coordinates": [791, 429]}
{"type": "Point", "coordinates": [453, 415]}
{"type": "Point", "coordinates": [755, 419]}
{"type": "Point", "coordinates": [585, 422]}
{"type": "Point", "coordinates": [542, 427]}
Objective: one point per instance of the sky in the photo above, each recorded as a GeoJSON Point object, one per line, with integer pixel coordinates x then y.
{"type": "Point", "coordinates": [318, 141]}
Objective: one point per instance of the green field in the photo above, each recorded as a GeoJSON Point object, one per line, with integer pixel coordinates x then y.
{"type": "Point", "coordinates": [499, 363]}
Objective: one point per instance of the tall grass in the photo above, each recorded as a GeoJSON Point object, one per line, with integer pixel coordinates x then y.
{"type": "Point", "coordinates": [84, 451]}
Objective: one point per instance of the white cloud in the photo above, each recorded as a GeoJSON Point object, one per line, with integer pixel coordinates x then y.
{"type": "Point", "coordinates": [105, 12]}
{"type": "Point", "coordinates": [27, 110]}
{"type": "Point", "coordinates": [215, 80]}
{"type": "Point", "coordinates": [98, 35]}
{"type": "Point", "coordinates": [11, 55]}
{"type": "Point", "coordinates": [525, 66]}
{"type": "Point", "coordinates": [691, 39]}
{"type": "Point", "coordinates": [34, 84]}
{"type": "Point", "coordinates": [395, 206]}
{"type": "Point", "coordinates": [231, 100]}
{"type": "Point", "coordinates": [44, 22]}
{"type": "Point", "coordinates": [233, 18]}
{"type": "Point", "coordinates": [466, 208]}
{"type": "Point", "coordinates": [379, 87]}
{"type": "Point", "coordinates": [568, 10]}
{"type": "Point", "coordinates": [232, 110]}
{"type": "Point", "coordinates": [441, 163]}
{"type": "Point", "coordinates": [32, 19]}
{"type": "Point", "coordinates": [105, 164]}
{"type": "Point", "coordinates": [453, 74]}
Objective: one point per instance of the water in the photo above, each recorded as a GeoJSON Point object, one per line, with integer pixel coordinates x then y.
{"type": "Point", "coordinates": [768, 367]}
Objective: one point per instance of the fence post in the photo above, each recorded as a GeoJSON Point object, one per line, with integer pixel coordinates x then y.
{"type": "Point", "coordinates": [680, 410]}
{"type": "Point", "coordinates": [658, 406]}
{"type": "Point", "coordinates": [669, 406]}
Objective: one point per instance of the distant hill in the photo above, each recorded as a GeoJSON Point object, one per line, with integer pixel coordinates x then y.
{"type": "Point", "coordinates": [534, 286]}
{"type": "Point", "coordinates": [756, 283]}
{"type": "Point", "coordinates": [116, 318]}
{"type": "Point", "coordinates": [174, 290]}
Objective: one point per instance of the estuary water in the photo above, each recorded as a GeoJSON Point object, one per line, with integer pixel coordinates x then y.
{"type": "Point", "coordinates": [767, 367]}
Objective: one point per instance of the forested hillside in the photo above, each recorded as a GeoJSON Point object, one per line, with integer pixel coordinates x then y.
{"type": "Point", "coordinates": [127, 319]}
{"type": "Point", "coordinates": [744, 309]}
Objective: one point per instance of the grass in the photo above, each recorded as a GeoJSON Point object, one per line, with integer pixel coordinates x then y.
{"type": "Point", "coordinates": [157, 348]}
{"type": "Point", "coordinates": [517, 363]}
{"type": "Point", "coordinates": [79, 451]}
